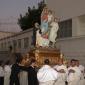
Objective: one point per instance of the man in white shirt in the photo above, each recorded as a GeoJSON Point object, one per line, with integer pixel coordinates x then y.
{"type": "Point", "coordinates": [46, 74]}
{"type": "Point", "coordinates": [61, 69]}
{"type": "Point", "coordinates": [82, 69]}
{"type": "Point", "coordinates": [74, 74]}
{"type": "Point", "coordinates": [7, 72]}
{"type": "Point", "coordinates": [1, 73]}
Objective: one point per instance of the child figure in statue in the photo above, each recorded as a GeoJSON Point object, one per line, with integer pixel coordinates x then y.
{"type": "Point", "coordinates": [53, 31]}
{"type": "Point", "coordinates": [40, 41]}
{"type": "Point", "coordinates": [50, 17]}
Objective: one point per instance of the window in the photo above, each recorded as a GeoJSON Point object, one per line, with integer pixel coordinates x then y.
{"type": "Point", "coordinates": [14, 44]}
{"type": "Point", "coordinates": [65, 29]}
{"type": "Point", "coordinates": [19, 43]}
{"type": "Point", "coordinates": [26, 42]}
{"type": "Point", "coordinates": [2, 45]}
{"type": "Point", "coordinates": [9, 43]}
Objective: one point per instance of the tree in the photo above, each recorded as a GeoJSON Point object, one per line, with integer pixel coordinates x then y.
{"type": "Point", "coordinates": [31, 16]}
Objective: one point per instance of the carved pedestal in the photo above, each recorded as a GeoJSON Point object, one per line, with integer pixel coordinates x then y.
{"type": "Point", "coordinates": [40, 54]}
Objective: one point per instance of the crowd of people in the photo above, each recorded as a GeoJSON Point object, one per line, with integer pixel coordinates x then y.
{"type": "Point", "coordinates": [25, 71]}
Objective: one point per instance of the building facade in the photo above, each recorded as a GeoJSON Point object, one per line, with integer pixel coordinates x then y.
{"type": "Point", "coordinates": [19, 42]}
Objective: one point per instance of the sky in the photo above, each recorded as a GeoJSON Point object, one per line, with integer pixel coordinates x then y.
{"type": "Point", "coordinates": [10, 11]}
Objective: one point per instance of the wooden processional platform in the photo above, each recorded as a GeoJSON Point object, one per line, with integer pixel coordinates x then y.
{"type": "Point", "coordinates": [40, 54]}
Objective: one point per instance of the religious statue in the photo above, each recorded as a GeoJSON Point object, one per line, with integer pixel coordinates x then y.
{"type": "Point", "coordinates": [49, 27]}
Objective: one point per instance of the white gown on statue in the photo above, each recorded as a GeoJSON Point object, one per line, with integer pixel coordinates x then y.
{"type": "Point", "coordinates": [7, 70]}
{"type": "Point", "coordinates": [40, 41]}
{"type": "Point", "coordinates": [53, 31]}
{"type": "Point", "coordinates": [23, 78]}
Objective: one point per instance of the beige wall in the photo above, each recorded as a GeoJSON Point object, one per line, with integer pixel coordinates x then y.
{"type": "Point", "coordinates": [78, 26]}
{"type": "Point", "coordinates": [73, 48]}
{"type": "Point", "coordinates": [5, 34]}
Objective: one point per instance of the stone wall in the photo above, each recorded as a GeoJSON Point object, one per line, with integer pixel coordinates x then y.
{"type": "Point", "coordinates": [72, 48]}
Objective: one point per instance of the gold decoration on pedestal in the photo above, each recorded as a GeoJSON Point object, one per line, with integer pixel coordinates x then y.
{"type": "Point", "coordinates": [40, 54]}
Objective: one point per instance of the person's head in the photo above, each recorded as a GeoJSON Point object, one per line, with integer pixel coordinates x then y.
{"type": "Point", "coordinates": [25, 60]}
{"type": "Point", "coordinates": [60, 61]}
{"type": "Point", "coordinates": [73, 62]}
{"type": "Point", "coordinates": [46, 61]}
{"type": "Point", "coordinates": [7, 62]}
{"type": "Point", "coordinates": [45, 10]}
{"type": "Point", "coordinates": [49, 12]}
{"type": "Point", "coordinates": [18, 57]}
{"type": "Point", "coordinates": [77, 62]}
{"type": "Point", "coordinates": [55, 19]}
{"type": "Point", "coordinates": [33, 62]}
